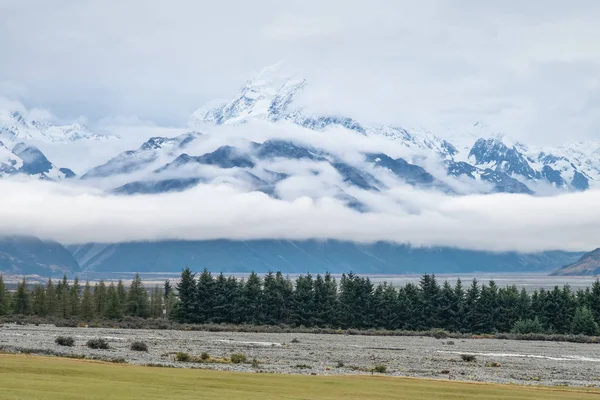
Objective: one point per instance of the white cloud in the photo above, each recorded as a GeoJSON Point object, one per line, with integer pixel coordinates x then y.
{"type": "Point", "coordinates": [499, 222]}
{"type": "Point", "coordinates": [529, 69]}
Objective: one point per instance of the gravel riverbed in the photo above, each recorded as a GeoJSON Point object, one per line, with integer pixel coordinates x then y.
{"type": "Point", "coordinates": [500, 361]}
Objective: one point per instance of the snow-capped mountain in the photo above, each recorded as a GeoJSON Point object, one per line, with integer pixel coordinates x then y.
{"type": "Point", "coordinates": [16, 127]}
{"type": "Point", "coordinates": [28, 160]}
{"type": "Point", "coordinates": [476, 159]}
{"type": "Point", "coordinates": [478, 153]}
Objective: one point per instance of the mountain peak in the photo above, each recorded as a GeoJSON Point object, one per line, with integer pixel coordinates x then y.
{"type": "Point", "coordinates": [17, 126]}
{"type": "Point", "coordinates": [266, 96]}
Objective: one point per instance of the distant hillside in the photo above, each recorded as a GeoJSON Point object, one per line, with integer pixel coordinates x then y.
{"type": "Point", "coordinates": [30, 255]}
{"type": "Point", "coordinates": [305, 256]}
{"type": "Point", "coordinates": [588, 264]}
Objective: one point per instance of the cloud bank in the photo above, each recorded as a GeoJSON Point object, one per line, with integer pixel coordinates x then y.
{"type": "Point", "coordinates": [529, 69]}
{"type": "Point", "coordinates": [499, 222]}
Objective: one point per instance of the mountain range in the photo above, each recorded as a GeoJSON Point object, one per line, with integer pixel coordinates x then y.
{"type": "Point", "coordinates": [476, 160]}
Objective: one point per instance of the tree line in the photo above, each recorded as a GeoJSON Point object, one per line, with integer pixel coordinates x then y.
{"type": "Point", "coordinates": [352, 302]}
{"type": "Point", "coordinates": [71, 300]}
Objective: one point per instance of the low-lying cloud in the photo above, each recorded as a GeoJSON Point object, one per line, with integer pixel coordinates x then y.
{"type": "Point", "coordinates": [499, 222]}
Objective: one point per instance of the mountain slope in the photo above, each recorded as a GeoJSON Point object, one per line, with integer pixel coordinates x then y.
{"type": "Point", "coordinates": [304, 256]}
{"type": "Point", "coordinates": [16, 127]}
{"type": "Point", "coordinates": [30, 255]}
{"type": "Point", "coordinates": [588, 264]}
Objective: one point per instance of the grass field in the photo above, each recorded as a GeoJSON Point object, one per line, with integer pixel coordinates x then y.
{"type": "Point", "coordinates": [30, 377]}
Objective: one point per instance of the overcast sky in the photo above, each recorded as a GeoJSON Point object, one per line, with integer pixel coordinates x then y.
{"type": "Point", "coordinates": [530, 69]}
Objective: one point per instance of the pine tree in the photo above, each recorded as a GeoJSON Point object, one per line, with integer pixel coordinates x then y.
{"type": "Point", "coordinates": [594, 300]}
{"type": "Point", "coordinates": [471, 307]}
{"type": "Point", "coordinates": [186, 288]}
{"type": "Point", "coordinates": [584, 323]}
{"type": "Point", "coordinates": [137, 299]}
{"type": "Point", "coordinates": [430, 302]}
{"type": "Point", "coordinates": [170, 300]}
{"type": "Point", "coordinates": [39, 304]}
{"type": "Point", "coordinates": [100, 298]}
{"type": "Point", "coordinates": [51, 298]}
{"type": "Point", "coordinates": [326, 301]}
{"type": "Point", "coordinates": [156, 302]}
{"type": "Point", "coordinates": [448, 308]}
{"type": "Point", "coordinates": [303, 301]}
{"type": "Point", "coordinates": [122, 295]}
{"type": "Point", "coordinates": [252, 300]}
{"type": "Point", "coordinates": [459, 298]}
{"type": "Point", "coordinates": [4, 299]}
{"type": "Point", "coordinates": [75, 297]}
{"type": "Point", "coordinates": [64, 302]}
{"type": "Point", "coordinates": [112, 309]}
{"type": "Point", "coordinates": [21, 304]}
{"type": "Point", "coordinates": [204, 297]}
{"type": "Point", "coordinates": [88, 309]}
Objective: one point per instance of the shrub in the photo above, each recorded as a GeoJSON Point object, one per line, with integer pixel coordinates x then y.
{"type": "Point", "coordinates": [64, 341]}
{"type": "Point", "coordinates": [339, 364]}
{"type": "Point", "coordinates": [494, 364]}
{"type": "Point", "coordinates": [139, 346]}
{"type": "Point", "coordinates": [294, 340]}
{"type": "Point", "coordinates": [439, 334]}
{"type": "Point", "coordinates": [380, 369]}
{"type": "Point", "coordinates": [467, 357]}
{"type": "Point", "coordinates": [303, 366]}
{"type": "Point", "coordinates": [527, 326]}
{"type": "Point", "coordinates": [450, 343]}
{"type": "Point", "coordinates": [255, 363]}
{"type": "Point", "coordinates": [183, 357]}
{"type": "Point", "coordinates": [238, 358]}
{"type": "Point", "coordinates": [204, 356]}
{"type": "Point", "coordinates": [445, 371]}
{"type": "Point", "coordinates": [97, 344]}
{"type": "Point", "coordinates": [584, 323]}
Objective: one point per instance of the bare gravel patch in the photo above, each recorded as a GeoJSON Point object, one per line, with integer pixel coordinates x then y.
{"type": "Point", "coordinates": [499, 361]}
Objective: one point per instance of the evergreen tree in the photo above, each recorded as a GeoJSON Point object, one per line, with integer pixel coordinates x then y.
{"type": "Point", "coordinates": [100, 298]}
{"type": "Point", "coordinates": [65, 308]}
{"type": "Point", "coordinates": [252, 300]}
{"type": "Point", "coordinates": [112, 309]}
{"type": "Point", "coordinates": [584, 323]}
{"type": "Point", "coordinates": [137, 299]}
{"type": "Point", "coordinates": [204, 297]}
{"type": "Point", "coordinates": [75, 297]}
{"type": "Point", "coordinates": [326, 301]}
{"type": "Point", "coordinates": [88, 309]}
{"type": "Point", "coordinates": [222, 309]}
{"type": "Point", "coordinates": [303, 301]}
{"type": "Point", "coordinates": [39, 304]}
{"type": "Point", "coordinates": [430, 302]}
{"type": "Point", "coordinates": [156, 302]}
{"type": "Point", "coordinates": [594, 300]}
{"type": "Point", "coordinates": [277, 299]}
{"type": "Point", "coordinates": [459, 308]}
{"type": "Point", "coordinates": [170, 299]}
{"type": "Point", "coordinates": [472, 311]}
{"type": "Point", "coordinates": [186, 288]}
{"type": "Point", "coordinates": [51, 298]}
{"type": "Point", "coordinates": [449, 311]}
{"type": "Point", "coordinates": [122, 295]}
{"type": "Point", "coordinates": [4, 299]}
{"type": "Point", "coordinates": [21, 304]}
{"type": "Point", "coordinates": [409, 302]}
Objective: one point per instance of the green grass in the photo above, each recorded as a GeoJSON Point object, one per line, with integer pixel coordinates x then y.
{"type": "Point", "coordinates": [48, 378]}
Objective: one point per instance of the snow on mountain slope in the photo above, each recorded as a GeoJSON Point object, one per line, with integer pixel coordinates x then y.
{"type": "Point", "coordinates": [16, 127]}
{"type": "Point", "coordinates": [478, 152]}
{"type": "Point", "coordinates": [9, 161]}
{"type": "Point", "coordinates": [151, 154]}
{"type": "Point", "coordinates": [267, 96]}
{"type": "Point", "coordinates": [29, 160]}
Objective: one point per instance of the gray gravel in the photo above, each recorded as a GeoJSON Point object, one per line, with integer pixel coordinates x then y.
{"type": "Point", "coordinates": [521, 362]}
